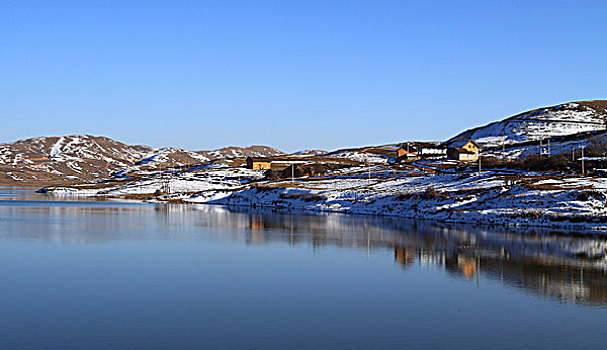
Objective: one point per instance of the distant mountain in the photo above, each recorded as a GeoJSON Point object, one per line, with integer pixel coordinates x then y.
{"type": "Point", "coordinates": [239, 152]}
{"type": "Point", "coordinates": [310, 152]}
{"type": "Point", "coordinates": [538, 124]}
{"type": "Point", "coordinates": [77, 158]}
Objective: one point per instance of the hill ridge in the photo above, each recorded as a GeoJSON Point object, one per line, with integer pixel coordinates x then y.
{"type": "Point", "coordinates": [558, 120]}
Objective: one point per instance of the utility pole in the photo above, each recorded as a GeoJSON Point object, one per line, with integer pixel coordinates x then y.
{"type": "Point", "coordinates": [545, 148]}
{"type": "Point", "coordinates": [292, 172]}
{"type": "Point", "coordinates": [168, 184]}
{"type": "Point", "coordinates": [583, 172]}
{"type": "Point", "coordinates": [369, 166]}
{"type": "Point", "coordinates": [479, 164]}
{"type": "Point", "coordinates": [573, 153]}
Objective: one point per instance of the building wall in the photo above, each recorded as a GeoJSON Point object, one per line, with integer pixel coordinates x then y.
{"type": "Point", "coordinates": [456, 155]}
{"type": "Point", "coordinates": [471, 147]}
{"type": "Point", "coordinates": [468, 157]}
{"type": "Point", "coordinates": [432, 151]}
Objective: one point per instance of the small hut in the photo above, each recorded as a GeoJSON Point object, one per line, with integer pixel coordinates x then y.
{"type": "Point", "coordinates": [463, 150]}
{"type": "Point", "coordinates": [258, 163]}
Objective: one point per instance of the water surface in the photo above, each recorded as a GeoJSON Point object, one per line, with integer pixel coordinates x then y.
{"type": "Point", "coordinates": [115, 275]}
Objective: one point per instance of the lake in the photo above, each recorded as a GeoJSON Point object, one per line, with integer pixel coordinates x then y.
{"type": "Point", "coordinates": [115, 275]}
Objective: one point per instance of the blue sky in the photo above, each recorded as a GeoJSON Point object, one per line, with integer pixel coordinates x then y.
{"type": "Point", "coordinates": [290, 74]}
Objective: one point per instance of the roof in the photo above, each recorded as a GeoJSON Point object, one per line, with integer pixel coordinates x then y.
{"type": "Point", "coordinates": [462, 143]}
{"type": "Point", "coordinates": [411, 151]}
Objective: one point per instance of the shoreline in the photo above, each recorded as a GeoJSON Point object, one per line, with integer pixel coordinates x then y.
{"type": "Point", "coordinates": [469, 201]}
{"type": "Point", "coordinates": [86, 198]}
{"type": "Point", "coordinates": [447, 217]}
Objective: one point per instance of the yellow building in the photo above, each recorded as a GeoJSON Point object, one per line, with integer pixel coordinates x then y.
{"type": "Point", "coordinates": [258, 163]}
{"type": "Point", "coordinates": [464, 150]}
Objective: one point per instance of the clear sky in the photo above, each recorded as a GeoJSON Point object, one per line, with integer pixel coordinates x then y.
{"type": "Point", "coordinates": [290, 74]}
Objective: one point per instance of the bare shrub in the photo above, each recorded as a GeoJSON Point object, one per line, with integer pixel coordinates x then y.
{"type": "Point", "coordinates": [404, 196]}
{"type": "Point", "coordinates": [583, 196]}
{"type": "Point", "coordinates": [494, 162]}
{"type": "Point", "coordinates": [534, 214]}
{"type": "Point", "coordinates": [540, 163]}
{"type": "Point", "coordinates": [597, 147]}
{"type": "Point", "coordinates": [430, 193]}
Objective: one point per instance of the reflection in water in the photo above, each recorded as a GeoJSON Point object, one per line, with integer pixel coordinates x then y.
{"type": "Point", "coordinates": [566, 267]}
{"type": "Point", "coordinates": [29, 193]}
{"type": "Point", "coordinates": [569, 268]}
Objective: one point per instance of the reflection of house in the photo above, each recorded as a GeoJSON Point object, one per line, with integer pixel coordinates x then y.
{"type": "Point", "coordinates": [404, 256]}
{"type": "Point", "coordinates": [258, 163]}
{"type": "Point", "coordinates": [467, 265]}
{"type": "Point", "coordinates": [257, 233]}
{"type": "Point", "coordinates": [257, 223]}
{"type": "Point", "coordinates": [464, 150]}
{"type": "Point", "coordinates": [544, 264]}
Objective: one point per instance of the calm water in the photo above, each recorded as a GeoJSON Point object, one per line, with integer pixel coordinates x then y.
{"type": "Point", "coordinates": [114, 275]}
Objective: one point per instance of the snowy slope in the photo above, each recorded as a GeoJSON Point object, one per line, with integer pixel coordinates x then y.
{"type": "Point", "coordinates": [241, 152]}
{"type": "Point", "coordinates": [65, 158]}
{"type": "Point", "coordinates": [560, 120]}
{"type": "Point", "coordinates": [85, 158]}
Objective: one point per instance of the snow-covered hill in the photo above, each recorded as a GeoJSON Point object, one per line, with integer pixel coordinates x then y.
{"type": "Point", "coordinates": [85, 158]}
{"type": "Point", "coordinates": [241, 152]}
{"type": "Point", "coordinates": [540, 124]}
